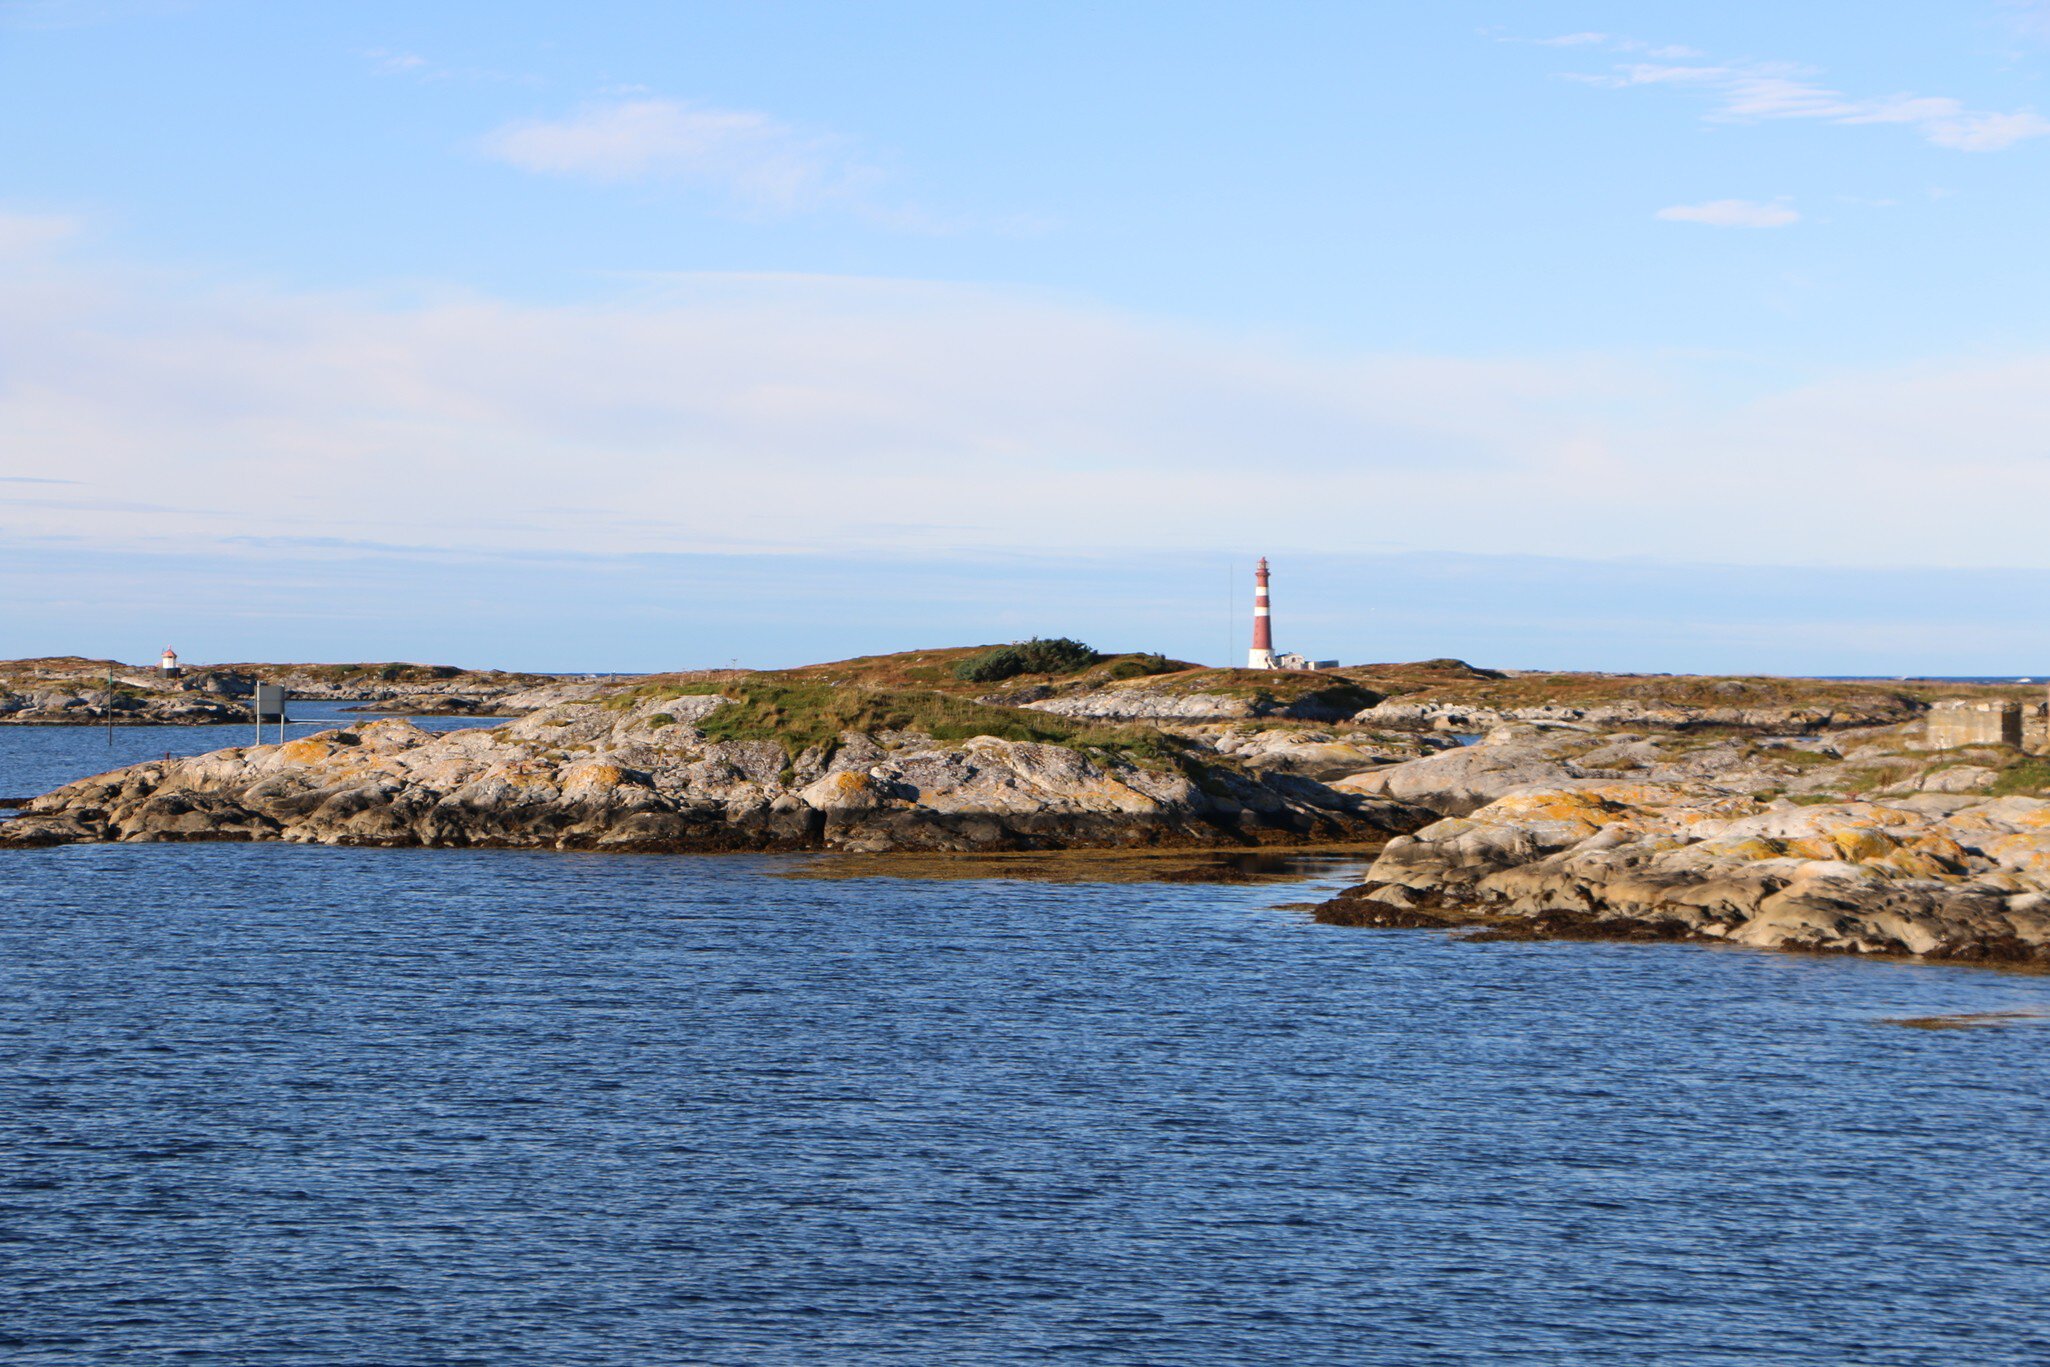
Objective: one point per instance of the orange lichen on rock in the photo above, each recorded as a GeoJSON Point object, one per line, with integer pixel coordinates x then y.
{"type": "Point", "coordinates": [1857, 844]}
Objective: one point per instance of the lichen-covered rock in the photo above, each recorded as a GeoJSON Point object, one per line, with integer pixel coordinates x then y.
{"type": "Point", "coordinates": [1937, 879]}
{"type": "Point", "coordinates": [1137, 702]}
{"type": "Point", "coordinates": [582, 775]}
{"type": "Point", "coordinates": [1873, 710]}
{"type": "Point", "coordinates": [1459, 781]}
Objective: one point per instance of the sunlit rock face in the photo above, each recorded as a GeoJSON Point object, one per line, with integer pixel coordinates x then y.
{"type": "Point", "coordinates": [647, 776]}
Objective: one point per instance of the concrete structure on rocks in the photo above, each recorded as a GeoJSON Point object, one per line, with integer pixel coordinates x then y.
{"type": "Point", "coordinates": [1958, 722]}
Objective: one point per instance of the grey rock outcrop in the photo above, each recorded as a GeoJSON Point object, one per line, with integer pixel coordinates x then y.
{"type": "Point", "coordinates": [1875, 710]}
{"type": "Point", "coordinates": [78, 705]}
{"type": "Point", "coordinates": [645, 776]}
{"type": "Point", "coordinates": [1141, 703]}
{"type": "Point", "coordinates": [1459, 781]}
{"type": "Point", "coordinates": [1933, 877]}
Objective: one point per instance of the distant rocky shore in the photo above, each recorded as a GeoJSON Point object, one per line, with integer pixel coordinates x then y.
{"type": "Point", "coordinates": [71, 692]}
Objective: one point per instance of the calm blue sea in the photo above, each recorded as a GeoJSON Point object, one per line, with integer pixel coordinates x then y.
{"type": "Point", "coordinates": [283, 1105]}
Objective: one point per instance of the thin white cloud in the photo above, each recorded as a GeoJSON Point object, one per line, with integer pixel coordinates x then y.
{"type": "Point", "coordinates": [389, 63]}
{"type": "Point", "coordinates": [21, 234]}
{"type": "Point", "coordinates": [724, 411]}
{"type": "Point", "coordinates": [414, 66]}
{"type": "Point", "coordinates": [2031, 18]}
{"type": "Point", "coordinates": [1753, 92]}
{"type": "Point", "coordinates": [843, 415]}
{"type": "Point", "coordinates": [757, 161]}
{"type": "Point", "coordinates": [1732, 213]}
{"type": "Point", "coordinates": [1660, 51]}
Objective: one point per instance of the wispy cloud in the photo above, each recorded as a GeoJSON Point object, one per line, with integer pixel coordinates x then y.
{"type": "Point", "coordinates": [1753, 92]}
{"type": "Point", "coordinates": [24, 233]}
{"type": "Point", "coordinates": [2031, 18]}
{"type": "Point", "coordinates": [388, 63]}
{"type": "Point", "coordinates": [1732, 213]}
{"type": "Point", "coordinates": [394, 62]}
{"type": "Point", "coordinates": [758, 162]}
{"type": "Point", "coordinates": [713, 410]}
{"type": "Point", "coordinates": [1611, 41]}
{"type": "Point", "coordinates": [766, 412]}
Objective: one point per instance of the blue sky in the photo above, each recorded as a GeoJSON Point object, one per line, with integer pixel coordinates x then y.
{"type": "Point", "coordinates": [638, 339]}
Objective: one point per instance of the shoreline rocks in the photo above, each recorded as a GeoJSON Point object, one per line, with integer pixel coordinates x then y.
{"type": "Point", "coordinates": [645, 776]}
{"type": "Point", "coordinates": [1926, 876]}
{"type": "Point", "coordinates": [75, 692]}
{"type": "Point", "coordinates": [1694, 822]}
{"type": "Point", "coordinates": [62, 706]}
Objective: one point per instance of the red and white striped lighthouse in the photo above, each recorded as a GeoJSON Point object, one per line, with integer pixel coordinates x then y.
{"type": "Point", "coordinates": [1261, 656]}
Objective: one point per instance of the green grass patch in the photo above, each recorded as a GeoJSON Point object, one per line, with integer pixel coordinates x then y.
{"type": "Point", "coordinates": [2025, 778]}
{"type": "Point", "coordinates": [1793, 758]}
{"type": "Point", "coordinates": [801, 715]}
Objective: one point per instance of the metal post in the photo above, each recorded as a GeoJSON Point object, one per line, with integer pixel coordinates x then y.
{"type": "Point", "coordinates": [273, 696]}
{"type": "Point", "coordinates": [110, 709]}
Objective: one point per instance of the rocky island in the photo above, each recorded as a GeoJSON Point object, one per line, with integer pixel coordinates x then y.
{"type": "Point", "coordinates": [1773, 813]}
{"type": "Point", "coordinates": [70, 691]}
{"type": "Point", "coordinates": [843, 757]}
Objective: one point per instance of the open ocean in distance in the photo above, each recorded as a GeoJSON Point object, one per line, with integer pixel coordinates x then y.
{"type": "Point", "coordinates": [292, 1105]}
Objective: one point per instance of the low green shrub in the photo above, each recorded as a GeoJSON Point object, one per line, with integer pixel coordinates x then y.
{"type": "Point", "coordinates": [1140, 666]}
{"type": "Point", "coordinates": [1057, 655]}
